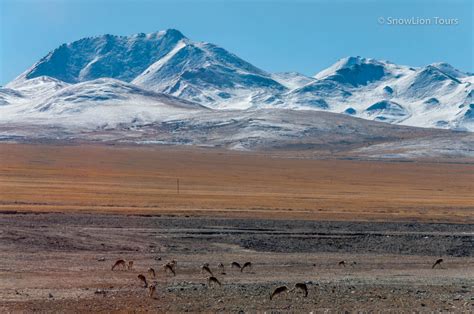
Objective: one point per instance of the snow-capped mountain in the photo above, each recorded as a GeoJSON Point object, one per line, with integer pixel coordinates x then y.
{"type": "Point", "coordinates": [210, 75]}
{"type": "Point", "coordinates": [101, 103]}
{"type": "Point", "coordinates": [119, 57]}
{"type": "Point", "coordinates": [37, 87]}
{"type": "Point", "coordinates": [124, 76]}
{"type": "Point", "coordinates": [164, 61]}
{"type": "Point", "coordinates": [433, 96]}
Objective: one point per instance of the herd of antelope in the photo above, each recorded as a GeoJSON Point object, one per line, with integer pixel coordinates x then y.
{"type": "Point", "coordinates": [170, 268]}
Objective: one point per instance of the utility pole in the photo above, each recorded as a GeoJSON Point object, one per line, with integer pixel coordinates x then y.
{"type": "Point", "coordinates": [177, 185]}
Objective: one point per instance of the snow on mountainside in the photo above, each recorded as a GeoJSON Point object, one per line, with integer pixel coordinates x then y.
{"type": "Point", "coordinates": [210, 75]}
{"type": "Point", "coordinates": [433, 96]}
{"type": "Point", "coordinates": [101, 103]}
{"type": "Point", "coordinates": [37, 87]}
{"type": "Point", "coordinates": [437, 95]}
{"type": "Point", "coordinates": [298, 131]}
{"type": "Point", "coordinates": [292, 80]}
{"type": "Point", "coordinates": [166, 62]}
{"type": "Point", "coordinates": [26, 91]}
{"type": "Point", "coordinates": [8, 96]}
{"type": "Point", "coordinates": [120, 57]}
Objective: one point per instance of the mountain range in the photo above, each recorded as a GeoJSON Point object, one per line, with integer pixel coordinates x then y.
{"type": "Point", "coordinates": [106, 81]}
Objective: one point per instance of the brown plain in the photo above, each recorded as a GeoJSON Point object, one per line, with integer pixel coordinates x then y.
{"type": "Point", "coordinates": [137, 179]}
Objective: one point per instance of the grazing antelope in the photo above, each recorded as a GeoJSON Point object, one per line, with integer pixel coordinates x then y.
{"type": "Point", "coordinates": [342, 263]}
{"type": "Point", "coordinates": [152, 289]}
{"type": "Point", "coordinates": [278, 290]}
{"type": "Point", "coordinates": [143, 279]}
{"type": "Point", "coordinates": [235, 264]}
{"type": "Point", "coordinates": [247, 264]}
{"type": "Point", "coordinates": [130, 265]}
{"type": "Point", "coordinates": [303, 287]}
{"type": "Point", "coordinates": [118, 263]}
{"type": "Point", "coordinates": [206, 268]}
{"type": "Point", "coordinates": [437, 263]}
{"type": "Point", "coordinates": [213, 279]}
{"type": "Point", "coordinates": [151, 272]}
{"type": "Point", "coordinates": [169, 269]}
{"type": "Point", "coordinates": [221, 267]}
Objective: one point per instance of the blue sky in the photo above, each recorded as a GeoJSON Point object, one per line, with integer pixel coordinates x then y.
{"type": "Point", "coordinates": [304, 36]}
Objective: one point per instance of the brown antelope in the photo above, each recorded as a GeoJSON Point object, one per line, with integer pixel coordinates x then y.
{"type": "Point", "coordinates": [303, 287]}
{"type": "Point", "coordinates": [247, 264]}
{"type": "Point", "coordinates": [143, 279]}
{"type": "Point", "coordinates": [437, 263]}
{"type": "Point", "coordinates": [205, 268]}
{"type": "Point", "coordinates": [151, 272]}
{"type": "Point", "coordinates": [235, 264]}
{"type": "Point", "coordinates": [130, 265]}
{"type": "Point", "coordinates": [118, 263]}
{"type": "Point", "coordinates": [278, 290]}
{"type": "Point", "coordinates": [221, 267]}
{"type": "Point", "coordinates": [169, 269]}
{"type": "Point", "coordinates": [152, 289]}
{"type": "Point", "coordinates": [212, 280]}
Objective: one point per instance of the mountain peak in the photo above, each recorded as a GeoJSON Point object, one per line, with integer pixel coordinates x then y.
{"type": "Point", "coordinates": [448, 69]}
{"type": "Point", "coordinates": [350, 61]}
{"type": "Point", "coordinates": [355, 71]}
{"type": "Point", "coordinates": [169, 33]}
{"type": "Point", "coordinates": [119, 57]}
{"type": "Point", "coordinates": [174, 33]}
{"type": "Point", "coordinates": [344, 63]}
{"type": "Point", "coordinates": [357, 60]}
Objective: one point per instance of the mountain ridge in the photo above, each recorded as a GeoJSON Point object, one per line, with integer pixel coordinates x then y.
{"type": "Point", "coordinates": [167, 62]}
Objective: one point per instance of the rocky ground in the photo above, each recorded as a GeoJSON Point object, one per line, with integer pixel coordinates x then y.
{"type": "Point", "coordinates": [53, 262]}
